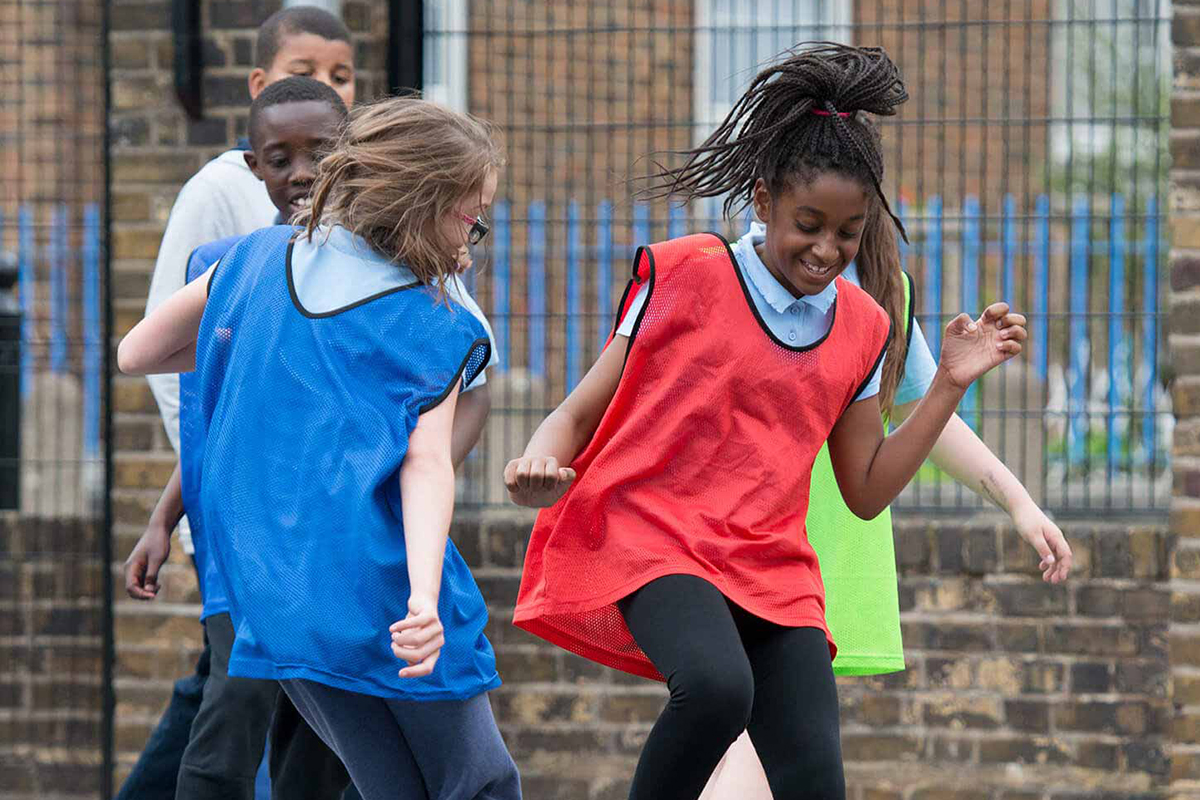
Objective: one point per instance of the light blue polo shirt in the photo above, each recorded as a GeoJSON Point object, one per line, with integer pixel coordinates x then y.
{"type": "Point", "coordinates": [800, 321]}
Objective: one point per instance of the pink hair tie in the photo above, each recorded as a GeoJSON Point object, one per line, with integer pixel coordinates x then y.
{"type": "Point", "coordinates": [821, 113]}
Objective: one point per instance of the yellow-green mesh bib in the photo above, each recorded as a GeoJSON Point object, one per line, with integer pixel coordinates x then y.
{"type": "Point", "coordinates": [858, 567]}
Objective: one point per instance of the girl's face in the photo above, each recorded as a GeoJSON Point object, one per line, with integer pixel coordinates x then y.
{"type": "Point", "coordinates": [456, 227]}
{"type": "Point", "coordinates": [813, 230]}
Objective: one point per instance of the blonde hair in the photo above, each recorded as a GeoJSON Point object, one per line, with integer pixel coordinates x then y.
{"type": "Point", "coordinates": [398, 168]}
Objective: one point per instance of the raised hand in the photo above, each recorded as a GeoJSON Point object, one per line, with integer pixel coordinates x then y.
{"type": "Point", "coordinates": [537, 481]}
{"type": "Point", "coordinates": [971, 348]}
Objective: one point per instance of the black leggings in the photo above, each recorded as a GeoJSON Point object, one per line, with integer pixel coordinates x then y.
{"type": "Point", "coordinates": [730, 671]}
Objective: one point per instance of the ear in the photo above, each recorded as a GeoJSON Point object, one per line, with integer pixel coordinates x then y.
{"type": "Point", "coordinates": [252, 163]}
{"type": "Point", "coordinates": [762, 200]}
{"type": "Point", "coordinates": [257, 81]}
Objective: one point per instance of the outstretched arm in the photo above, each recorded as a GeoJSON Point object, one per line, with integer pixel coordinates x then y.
{"type": "Point", "coordinates": [966, 458]}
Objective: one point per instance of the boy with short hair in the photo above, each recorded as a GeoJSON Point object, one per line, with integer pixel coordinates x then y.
{"type": "Point", "coordinates": [291, 122]}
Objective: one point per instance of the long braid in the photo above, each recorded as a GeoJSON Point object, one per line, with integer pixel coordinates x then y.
{"type": "Point", "coordinates": [800, 117]}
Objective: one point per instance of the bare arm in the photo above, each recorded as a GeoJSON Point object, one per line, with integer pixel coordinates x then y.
{"type": "Point", "coordinates": [872, 468]}
{"type": "Point", "coordinates": [538, 478]}
{"type": "Point", "coordinates": [427, 505]}
{"type": "Point", "coordinates": [469, 419]}
{"type": "Point", "coordinates": [968, 460]}
{"type": "Point", "coordinates": [153, 548]}
{"type": "Point", "coordinates": [165, 341]}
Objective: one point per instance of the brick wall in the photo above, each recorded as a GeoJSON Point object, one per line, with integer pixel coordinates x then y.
{"type": "Point", "coordinates": [1014, 689]}
{"type": "Point", "coordinates": [51, 651]}
{"type": "Point", "coordinates": [1184, 345]}
{"type": "Point", "coordinates": [155, 148]}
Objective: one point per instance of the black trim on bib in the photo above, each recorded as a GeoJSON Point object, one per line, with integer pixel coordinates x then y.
{"type": "Point", "coordinates": [324, 314]}
{"type": "Point", "coordinates": [437, 401]}
{"type": "Point", "coordinates": [758, 317]}
{"type": "Point", "coordinates": [874, 366]}
{"type": "Point", "coordinates": [912, 308]}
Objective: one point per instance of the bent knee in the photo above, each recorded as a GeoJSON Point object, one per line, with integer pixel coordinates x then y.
{"type": "Point", "coordinates": [722, 698]}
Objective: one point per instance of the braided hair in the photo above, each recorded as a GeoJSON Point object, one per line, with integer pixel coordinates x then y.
{"type": "Point", "coordinates": [802, 117]}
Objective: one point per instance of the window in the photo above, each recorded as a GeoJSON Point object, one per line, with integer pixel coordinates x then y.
{"type": "Point", "coordinates": [1111, 72]}
{"type": "Point", "coordinates": [445, 68]}
{"type": "Point", "coordinates": [735, 38]}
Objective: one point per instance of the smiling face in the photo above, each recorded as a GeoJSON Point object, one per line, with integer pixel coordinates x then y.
{"type": "Point", "coordinates": [288, 141]}
{"type": "Point", "coordinates": [813, 230]}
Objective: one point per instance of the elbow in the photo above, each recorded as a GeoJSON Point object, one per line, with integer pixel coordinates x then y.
{"type": "Point", "coordinates": [127, 360]}
{"type": "Point", "coordinates": [864, 508]}
{"type": "Point", "coordinates": [420, 463]}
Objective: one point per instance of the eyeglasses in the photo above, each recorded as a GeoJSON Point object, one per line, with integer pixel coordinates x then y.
{"type": "Point", "coordinates": [479, 228]}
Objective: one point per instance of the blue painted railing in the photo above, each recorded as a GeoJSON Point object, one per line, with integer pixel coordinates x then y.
{"type": "Point", "coordinates": [960, 258]}
{"type": "Point", "coordinates": [59, 292]}
{"type": "Point", "coordinates": [1103, 253]}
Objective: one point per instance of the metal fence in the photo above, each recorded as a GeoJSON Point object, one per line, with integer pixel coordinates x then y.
{"type": "Point", "coordinates": [55, 654]}
{"type": "Point", "coordinates": [1030, 165]}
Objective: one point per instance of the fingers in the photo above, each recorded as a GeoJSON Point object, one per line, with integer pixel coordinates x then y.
{"type": "Point", "coordinates": [134, 571]}
{"type": "Point", "coordinates": [1063, 556]}
{"type": "Point", "coordinates": [416, 646]}
{"type": "Point", "coordinates": [523, 474]}
{"type": "Point", "coordinates": [153, 565]}
{"type": "Point", "coordinates": [534, 481]}
{"type": "Point", "coordinates": [1008, 320]}
{"type": "Point", "coordinates": [136, 584]}
{"type": "Point", "coordinates": [960, 325]}
{"type": "Point", "coordinates": [413, 621]}
{"type": "Point", "coordinates": [420, 670]}
{"type": "Point", "coordinates": [995, 312]}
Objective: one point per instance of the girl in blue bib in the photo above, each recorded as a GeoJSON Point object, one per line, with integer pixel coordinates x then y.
{"type": "Point", "coordinates": [328, 367]}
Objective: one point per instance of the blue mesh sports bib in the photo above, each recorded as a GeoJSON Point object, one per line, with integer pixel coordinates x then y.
{"type": "Point", "coordinates": [191, 448]}
{"type": "Point", "coordinates": [307, 418]}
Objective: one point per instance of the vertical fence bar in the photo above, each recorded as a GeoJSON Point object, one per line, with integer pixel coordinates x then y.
{"type": "Point", "coordinates": [574, 297]}
{"type": "Point", "coordinates": [1041, 281]}
{"type": "Point", "coordinates": [1116, 321]}
{"type": "Point", "coordinates": [58, 289]}
{"type": "Point", "coordinates": [501, 278]}
{"type": "Point", "coordinates": [1150, 332]}
{"type": "Point", "coordinates": [641, 227]}
{"type": "Point", "coordinates": [604, 269]}
{"type": "Point", "coordinates": [26, 265]}
{"type": "Point", "coordinates": [1008, 251]}
{"type": "Point", "coordinates": [902, 246]}
{"type": "Point", "coordinates": [91, 331]}
{"type": "Point", "coordinates": [933, 281]}
{"type": "Point", "coordinates": [536, 290]}
{"type": "Point", "coordinates": [676, 221]}
{"type": "Point", "coordinates": [1077, 371]}
{"type": "Point", "coordinates": [970, 291]}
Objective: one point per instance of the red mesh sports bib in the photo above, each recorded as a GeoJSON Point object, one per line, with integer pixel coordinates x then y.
{"type": "Point", "coordinates": [701, 464]}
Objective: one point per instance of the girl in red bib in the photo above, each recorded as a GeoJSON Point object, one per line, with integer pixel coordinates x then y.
{"type": "Point", "coordinates": [673, 545]}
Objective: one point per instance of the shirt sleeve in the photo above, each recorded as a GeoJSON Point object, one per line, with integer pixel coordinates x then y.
{"type": "Point", "coordinates": [630, 319]}
{"type": "Point", "coordinates": [200, 215]}
{"type": "Point", "coordinates": [919, 368]}
{"type": "Point", "coordinates": [460, 294]}
{"type": "Point", "coordinates": [871, 387]}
